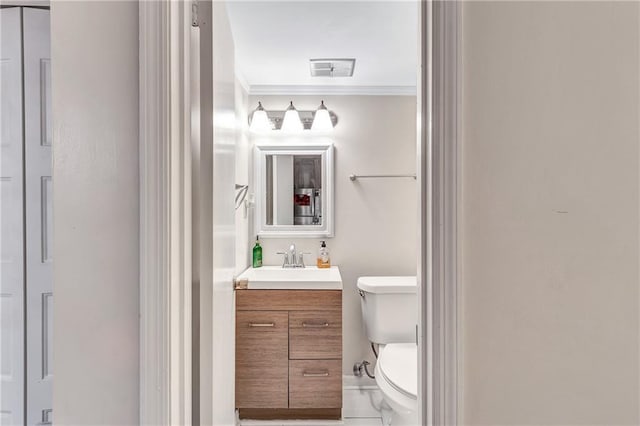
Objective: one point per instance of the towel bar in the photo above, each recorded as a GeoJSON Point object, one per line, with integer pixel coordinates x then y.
{"type": "Point", "coordinates": [355, 177]}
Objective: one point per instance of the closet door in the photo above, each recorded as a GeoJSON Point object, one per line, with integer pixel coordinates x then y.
{"type": "Point", "coordinates": [38, 185]}
{"type": "Point", "coordinates": [11, 222]}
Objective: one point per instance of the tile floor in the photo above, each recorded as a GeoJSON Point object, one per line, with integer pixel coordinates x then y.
{"type": "Point", "coordinates": [372, 421]}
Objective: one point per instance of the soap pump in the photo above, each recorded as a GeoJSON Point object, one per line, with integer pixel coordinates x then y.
{"type": "Point", "coordinates": [323, 256]}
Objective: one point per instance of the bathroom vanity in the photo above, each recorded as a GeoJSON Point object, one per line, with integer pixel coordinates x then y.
{"type": "Point", "coordinates": [289, 343]}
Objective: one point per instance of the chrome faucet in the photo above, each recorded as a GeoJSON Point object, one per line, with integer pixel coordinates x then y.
{"type": "Point", "coordinates": [292, 253]}
{"type": "Point", "coordinates": [292, 259]}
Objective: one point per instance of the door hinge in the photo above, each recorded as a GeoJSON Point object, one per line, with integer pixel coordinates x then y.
{"type": "Point", "coordinates": [194, 13]}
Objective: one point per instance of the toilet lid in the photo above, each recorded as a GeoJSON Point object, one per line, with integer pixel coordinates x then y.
{"type": "Point", "coordinates": [388, 285]}
{"type": "Point", "coordinates": [398, 363]}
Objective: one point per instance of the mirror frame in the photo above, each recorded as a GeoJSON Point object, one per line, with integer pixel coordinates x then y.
{"type": "Point", "coordinates": [325, 150]}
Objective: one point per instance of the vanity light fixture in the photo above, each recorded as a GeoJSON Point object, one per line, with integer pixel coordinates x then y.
{"type": "Point", "coordinates": [291, 122]}
{"type": "Point", "coordinates": [322, 119]}
{"type": "Point", "coordinates": [260, 121]}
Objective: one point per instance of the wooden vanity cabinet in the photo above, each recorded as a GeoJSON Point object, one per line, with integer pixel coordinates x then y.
{"type": "Point", "coordinates": [289, 354]}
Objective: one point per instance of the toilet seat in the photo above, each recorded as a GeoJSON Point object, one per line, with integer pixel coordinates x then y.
{"type": "Point", "coordinates": [397, 375]}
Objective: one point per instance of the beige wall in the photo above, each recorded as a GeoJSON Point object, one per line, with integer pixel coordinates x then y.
{"type": "Point", "coordinates": [376, 224]}
{"type": "Point", "coordinates": [550, 213]}
{"type": "Point", "coordinates": [95, 179]}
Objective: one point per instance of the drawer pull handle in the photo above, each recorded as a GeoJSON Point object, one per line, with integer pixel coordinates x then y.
{"type": "Point", "coordinates": [315, 325]}
{"type": "Point", "coordinates": [261, 324]}
{"type": "Point", "coordinates": [316, 374]}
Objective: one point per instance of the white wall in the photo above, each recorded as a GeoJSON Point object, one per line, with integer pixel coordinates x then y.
{"type": "Point", "coordinates": [95, 185]}
{"type": "Point", "coordinates": [550, 213]}
{"type": "Point", "coordinates": [243, 176]}
{"type": "Point", "coordinates": [376, 224]}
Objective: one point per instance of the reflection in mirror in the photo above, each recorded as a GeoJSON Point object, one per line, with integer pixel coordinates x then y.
{"type": "Point", "coordinates": [293, 193]}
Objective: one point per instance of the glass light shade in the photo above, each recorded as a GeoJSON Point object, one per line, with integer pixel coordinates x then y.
{"type": "Point", "coordinates": [291, 121]}
{"type": "Point", "coordinates": [322, 120]}
{"type": "Point", "coordinates": [259, 120]}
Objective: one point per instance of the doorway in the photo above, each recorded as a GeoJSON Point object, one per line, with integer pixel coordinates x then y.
{"type": "Point", "coordinates": [265, 52]}
{"type": "Point", "coordinates": [431, 385]}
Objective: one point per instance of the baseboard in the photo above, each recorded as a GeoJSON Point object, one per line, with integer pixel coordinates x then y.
{"type": "Point", "coordinates": [361, 397]}
{"type": "Point", "coordinates": [289, 414]}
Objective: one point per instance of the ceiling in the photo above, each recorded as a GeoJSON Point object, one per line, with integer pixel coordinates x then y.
{"type": "Point", "coordinates": [275, 40]}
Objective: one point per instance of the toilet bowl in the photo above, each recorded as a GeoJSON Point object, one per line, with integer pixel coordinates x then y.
{"type": "Point", "coordinates": [389, 310]}
{"type": "Point", "coordinates": [396, 375]}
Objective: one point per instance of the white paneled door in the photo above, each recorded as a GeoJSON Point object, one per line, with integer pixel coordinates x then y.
{"type": "Point", "coordinates": [26, 280]}
{"type": "Point", "coordinates": [38, 185]}
{"type": "Point", "coordinates": [12, 221]}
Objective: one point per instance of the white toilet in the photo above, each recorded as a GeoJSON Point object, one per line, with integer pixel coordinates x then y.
{"type": "Point", "coordinates": [390, 315]}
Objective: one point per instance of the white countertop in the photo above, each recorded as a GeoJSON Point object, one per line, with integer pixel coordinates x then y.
{"type": "Point", "coordinates": [279, 278]}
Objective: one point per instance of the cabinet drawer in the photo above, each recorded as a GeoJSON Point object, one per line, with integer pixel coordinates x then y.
{"type": "Point", "coordinates": [289, 300]}
{"type": "Point", "coordinates": [315, 383]}
{"type": "Point", "coordinates": [262, 361]}
{"type": "Point", "coordinates": [315, 335]}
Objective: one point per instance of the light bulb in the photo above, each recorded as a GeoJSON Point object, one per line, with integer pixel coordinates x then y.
{"type": "Point", "coordinates": [259, 120]}
{"type": "Point", "coordinates": [291, 121]}
{"type": "Point", "coordinates": [322, 119]}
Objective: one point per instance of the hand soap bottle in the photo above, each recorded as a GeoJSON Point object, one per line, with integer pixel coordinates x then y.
{"type": "Point", "coordinates": [323, 256]}
{"type": "Point", "coordinates": [257, 254]}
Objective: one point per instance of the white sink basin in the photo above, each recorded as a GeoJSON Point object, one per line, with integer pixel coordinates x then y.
{"type": "Point", "coordinates": [279, 278]}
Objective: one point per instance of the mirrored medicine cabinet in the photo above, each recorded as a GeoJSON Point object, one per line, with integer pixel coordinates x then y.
{"type": "Point", "coordinates": [294, 190]}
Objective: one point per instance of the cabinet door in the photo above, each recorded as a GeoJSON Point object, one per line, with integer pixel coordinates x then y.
{"type": "Point", "coordinates": [262, 359]}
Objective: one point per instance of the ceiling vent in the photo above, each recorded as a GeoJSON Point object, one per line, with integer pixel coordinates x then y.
{"type": "Point", "coordinates": [332, 67]}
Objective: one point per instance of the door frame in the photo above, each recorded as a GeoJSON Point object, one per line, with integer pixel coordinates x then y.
{"type": "Point", "coordinates": [165, 212]}
{"type": "Point", "coordinates": [439, 167]}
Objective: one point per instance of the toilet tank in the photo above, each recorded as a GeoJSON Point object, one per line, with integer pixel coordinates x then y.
{"type": "Point", "coordinates": [389, 308]}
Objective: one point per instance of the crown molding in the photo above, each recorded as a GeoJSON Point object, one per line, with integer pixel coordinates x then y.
{"type": "Point", "coordinates": [332, 90]}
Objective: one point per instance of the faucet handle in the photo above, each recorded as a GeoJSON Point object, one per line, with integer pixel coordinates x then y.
{"type": "Point", "coordinates": [286, 257]}
{"type": "Point", "coordinates": [300, 259]}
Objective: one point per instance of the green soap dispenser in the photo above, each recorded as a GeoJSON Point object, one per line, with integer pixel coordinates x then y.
{"type": "Point", "coordinates": [257, 254]}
